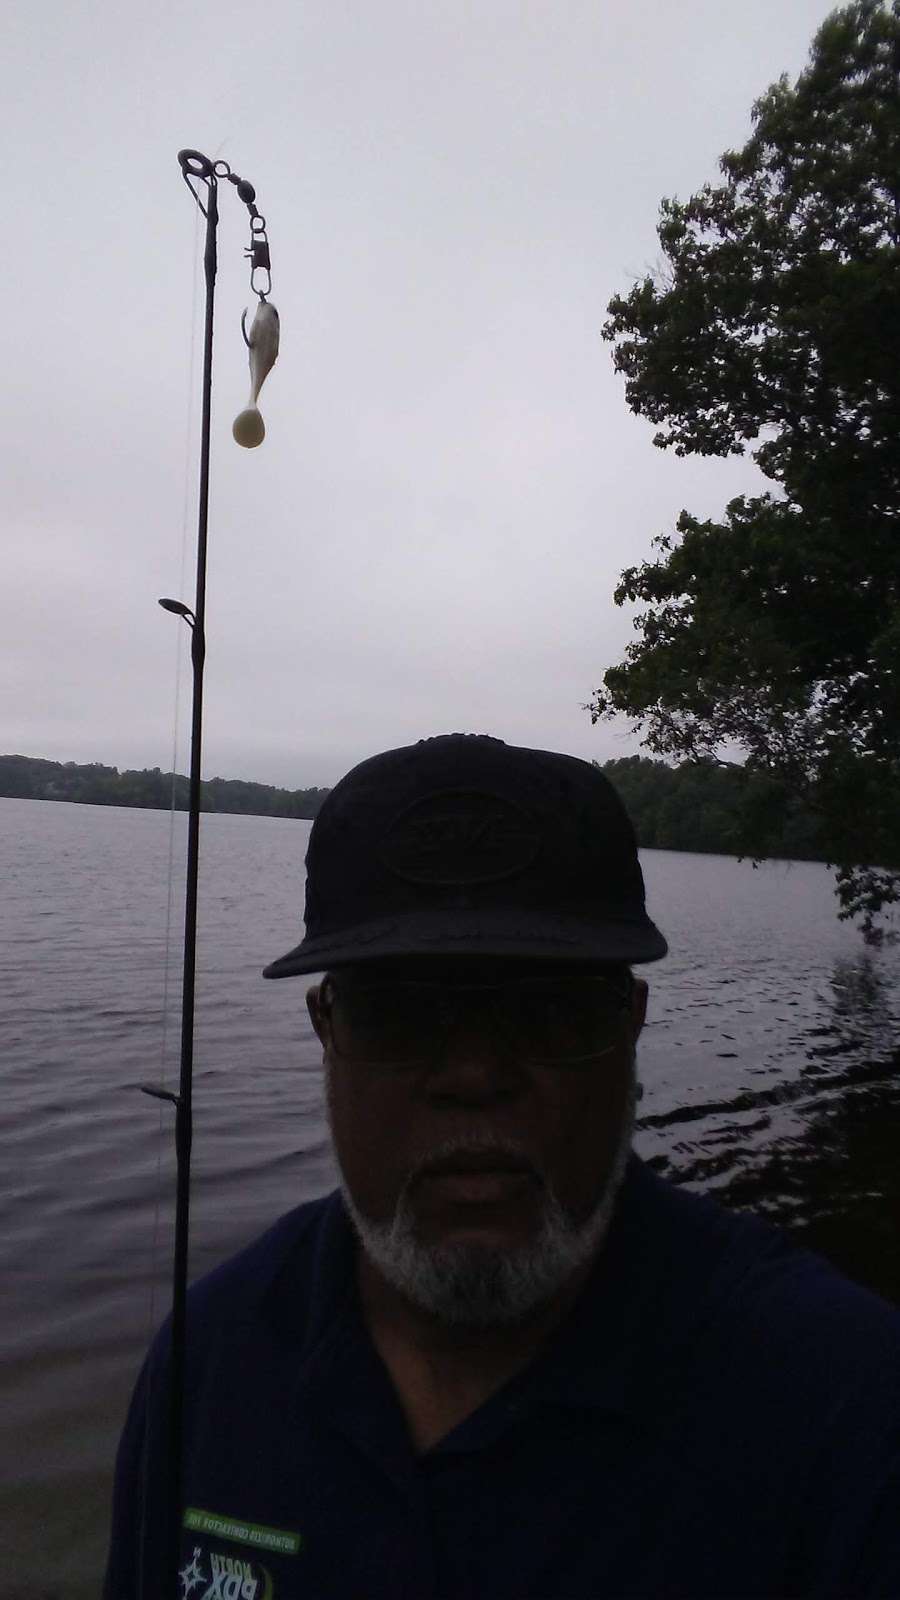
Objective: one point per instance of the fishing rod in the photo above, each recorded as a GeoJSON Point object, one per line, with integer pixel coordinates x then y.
{"type": "Point", "coordinates": [248, 430]}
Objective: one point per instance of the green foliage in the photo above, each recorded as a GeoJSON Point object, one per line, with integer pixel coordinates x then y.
{"type": "Point", "coordinates": [26, 777]}
{"type": "Point", "coordinates": [776, 321]}
{"type": "Point", "coordinates": [717, 807]}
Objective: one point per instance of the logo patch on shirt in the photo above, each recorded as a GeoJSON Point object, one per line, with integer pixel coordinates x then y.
{"type": "Point", "coordinates": [210, 1574]}
{"type": "Point", "coordinates": [240, 1532]}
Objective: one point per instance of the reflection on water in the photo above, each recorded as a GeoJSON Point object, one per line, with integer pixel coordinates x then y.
{"type": "Point", "coordinates": [790, 1104]}
{"type": "Point", "coordinates": [770, 1064]}
{"type": "Point", "coordinates": [835, 1183]}
{"type": "Point", "coordinates": [816, 1151]}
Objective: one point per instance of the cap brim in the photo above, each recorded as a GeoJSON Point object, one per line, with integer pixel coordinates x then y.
{"type": "Point", "coordinates": [463, 933]}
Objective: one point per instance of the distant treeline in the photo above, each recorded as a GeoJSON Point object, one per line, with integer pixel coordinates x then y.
{"type": "Point", "coordinates": [27, 778]}
{"type": "Point", "coordinates": [696, 806]}
{"type": "Point", "coordinates": [720, 809]}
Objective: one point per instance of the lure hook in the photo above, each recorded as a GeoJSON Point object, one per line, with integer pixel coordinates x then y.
{"type": "Point", "coordinates": [262, 342]}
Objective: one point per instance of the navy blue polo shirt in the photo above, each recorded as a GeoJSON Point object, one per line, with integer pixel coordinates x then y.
{"type": "Point", "coordinates": [719, 1416]}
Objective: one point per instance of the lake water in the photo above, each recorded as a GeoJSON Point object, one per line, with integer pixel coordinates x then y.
{"type": "Point", "coordinates": [770, 1064]}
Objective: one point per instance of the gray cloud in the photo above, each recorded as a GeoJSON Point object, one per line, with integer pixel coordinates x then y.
{"type": "Point", "coordinates": [451, 482]}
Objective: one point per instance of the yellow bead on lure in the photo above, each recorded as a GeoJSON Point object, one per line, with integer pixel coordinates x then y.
{"type": "Point", "coordinates": [248, 426]}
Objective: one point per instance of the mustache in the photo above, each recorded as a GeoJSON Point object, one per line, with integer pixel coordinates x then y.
{"type": "Point", "coordinates": [481, 1146]}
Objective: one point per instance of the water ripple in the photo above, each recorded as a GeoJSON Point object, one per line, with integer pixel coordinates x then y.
{"type": "Point", "coordinates": [770, 1063]}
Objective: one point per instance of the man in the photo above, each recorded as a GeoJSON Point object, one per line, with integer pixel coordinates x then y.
{"type": "Point", "coordinates": [506, 1359]}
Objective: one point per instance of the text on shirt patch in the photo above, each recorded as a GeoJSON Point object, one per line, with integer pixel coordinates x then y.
{"type": "Point", "coordinates": [212, 1575]}
{"type": "Point", "coordinates": [208, 1576]}
{"type": "Point", "coordinates": [239, 1532]}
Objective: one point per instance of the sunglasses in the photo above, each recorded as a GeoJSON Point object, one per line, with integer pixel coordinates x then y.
{"type": "Point", "coordinates": [546, 1021]}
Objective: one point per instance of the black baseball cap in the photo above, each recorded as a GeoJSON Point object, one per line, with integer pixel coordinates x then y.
{"type": "Point", "coordinates": [464, 845]}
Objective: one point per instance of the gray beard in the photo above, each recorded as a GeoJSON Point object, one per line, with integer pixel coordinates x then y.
{"type": "Point", "coordinates": [476, 1286]}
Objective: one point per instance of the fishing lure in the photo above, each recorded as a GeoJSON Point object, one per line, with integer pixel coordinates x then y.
{"type": "Point", "coordinates": [262, 342]}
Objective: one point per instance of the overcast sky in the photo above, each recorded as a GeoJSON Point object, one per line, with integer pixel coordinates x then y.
{"type": "Point", "coordinates": [429, 538]}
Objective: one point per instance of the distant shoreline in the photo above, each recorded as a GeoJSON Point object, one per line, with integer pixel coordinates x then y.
{"type": "Point", "coordinates": [91, 783]}
{"type": "Point", "coordinates": [705, 807]}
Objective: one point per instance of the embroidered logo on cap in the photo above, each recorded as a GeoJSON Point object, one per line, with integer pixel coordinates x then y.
{"type": "Point", "coordinates": [461, 836]}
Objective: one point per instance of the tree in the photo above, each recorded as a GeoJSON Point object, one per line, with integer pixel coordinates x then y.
{"type": "Point", "coordinates": [776, 321]}
{"type": "Point", "coordinates": [27, 777]}
{"type": "Point", "coordinates": [711, 805]}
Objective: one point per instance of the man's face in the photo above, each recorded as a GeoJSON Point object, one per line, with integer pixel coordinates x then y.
{"type": "Point", "coordinates": [475, 1143]}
